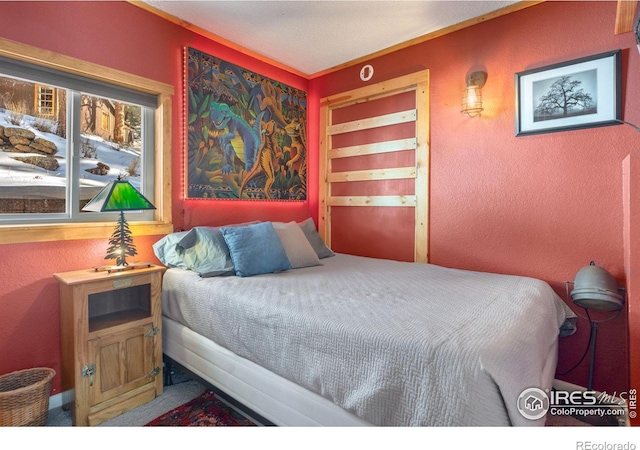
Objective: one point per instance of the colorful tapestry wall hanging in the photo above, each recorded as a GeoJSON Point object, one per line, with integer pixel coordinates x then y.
{"type": "Point", "coordinates": [246, 133]}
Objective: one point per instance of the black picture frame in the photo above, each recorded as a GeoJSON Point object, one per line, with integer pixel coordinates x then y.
{"type": "Point", "coordinates": [594, 83]}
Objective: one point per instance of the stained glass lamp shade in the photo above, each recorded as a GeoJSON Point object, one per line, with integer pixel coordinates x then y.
{"type": "Point", "coordinates": [119, 195]}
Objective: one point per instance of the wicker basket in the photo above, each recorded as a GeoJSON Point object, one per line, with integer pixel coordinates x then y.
{"type": "Point", "coordinates": [24, 397]}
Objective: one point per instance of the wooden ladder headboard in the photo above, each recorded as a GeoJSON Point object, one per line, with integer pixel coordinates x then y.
{"type": "Point", "coordinates": [418, 83]}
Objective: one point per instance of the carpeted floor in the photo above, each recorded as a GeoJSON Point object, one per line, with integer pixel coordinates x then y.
{"type": "Point", "coordinates": [172, 397]}
{"type": "Point", "coordinates": [206, 410]}
{"type": "Point", "coordinates": [178, 399]}
{"type": "Point", "coordinates": [173, 408]}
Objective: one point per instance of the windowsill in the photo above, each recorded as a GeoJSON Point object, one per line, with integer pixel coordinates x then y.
{"type": "Point", "coordinates": [15, 234]}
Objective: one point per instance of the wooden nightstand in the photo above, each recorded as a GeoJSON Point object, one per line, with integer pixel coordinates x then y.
{"type": "Point", "coordinates": [111, 341]}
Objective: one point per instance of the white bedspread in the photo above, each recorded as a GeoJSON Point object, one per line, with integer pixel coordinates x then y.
{"type": "Point", "coordinates": [395, 343]}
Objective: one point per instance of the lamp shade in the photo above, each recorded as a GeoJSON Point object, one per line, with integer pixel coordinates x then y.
{"type": "Point", "coordinates": [595, 288]}
{"type": "Point", "coordinates": [118, 195]}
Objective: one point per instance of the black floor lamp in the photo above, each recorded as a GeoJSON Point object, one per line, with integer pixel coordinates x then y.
{"type": "Point", "coordinates": [595, 288]}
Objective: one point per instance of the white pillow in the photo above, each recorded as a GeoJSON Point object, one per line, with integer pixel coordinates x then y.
{"type": "Point", "coordinates": [296, 245]}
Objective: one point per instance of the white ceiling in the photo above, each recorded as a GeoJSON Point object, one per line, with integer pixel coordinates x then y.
{"type": "Point", "coordinates": [313, 36]}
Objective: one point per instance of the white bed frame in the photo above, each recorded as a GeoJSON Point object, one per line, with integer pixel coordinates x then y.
{"type": "Point", "coordinates": [273, 397]}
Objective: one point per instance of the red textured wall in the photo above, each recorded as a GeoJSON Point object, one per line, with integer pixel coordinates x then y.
{"type": "Point", "coordinates": [541, 206]}
{"type": "Point", "coordinates": [364, 222]}
{"type": "Point", "coordinates": [124, 37]}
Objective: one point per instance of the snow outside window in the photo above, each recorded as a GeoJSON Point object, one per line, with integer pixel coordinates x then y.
{"type": "Point", "coordinates": [60, 144]}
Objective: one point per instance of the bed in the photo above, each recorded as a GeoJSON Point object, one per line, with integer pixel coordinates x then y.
{"type": "Point", "coordinates": [350, 340]}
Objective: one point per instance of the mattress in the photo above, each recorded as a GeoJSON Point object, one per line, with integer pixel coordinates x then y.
{"type": "Point", "coordinates": [392, 343]}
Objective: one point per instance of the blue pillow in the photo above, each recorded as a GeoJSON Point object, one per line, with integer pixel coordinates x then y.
{"type": "Point", "coordinates": [255, 249]}
{"type": "Point", "coordinates": [204, 251]}
{"type": "Point", "coordinates": [165, 250]}
{"type": "Point", "coordinates": [169, 249]}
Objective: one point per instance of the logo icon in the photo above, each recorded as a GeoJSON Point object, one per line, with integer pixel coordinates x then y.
{"type": "Point", "coordinates": [533, 403]}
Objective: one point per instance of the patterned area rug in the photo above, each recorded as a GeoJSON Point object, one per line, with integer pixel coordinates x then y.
{"type": "Point", "coordinates": [203, 411]}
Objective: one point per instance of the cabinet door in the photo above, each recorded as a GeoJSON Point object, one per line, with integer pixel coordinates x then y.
{"type": "Point", "coordinates": [124, 361]}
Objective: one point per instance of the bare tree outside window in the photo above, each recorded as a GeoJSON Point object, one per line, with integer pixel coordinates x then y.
{"type": "Point", "coordinates": [35, 170]}
{"type": "Point", "coordinates": [566, 96]}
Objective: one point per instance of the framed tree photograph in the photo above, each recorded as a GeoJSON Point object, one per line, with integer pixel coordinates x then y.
{"type": "Point", "coordinates": [582, 93]}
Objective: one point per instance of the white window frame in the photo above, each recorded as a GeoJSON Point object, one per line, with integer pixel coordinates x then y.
{"type": "Point", "coordinates": [161, 221]}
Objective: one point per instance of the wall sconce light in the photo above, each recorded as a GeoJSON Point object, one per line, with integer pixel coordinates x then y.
{"type": "Point", "coordinates": [472, 98]}
{"type": "Point", "coordinates": [595, 288]}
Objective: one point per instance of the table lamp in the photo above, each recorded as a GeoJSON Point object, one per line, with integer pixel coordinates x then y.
{"type": "Point", "coordinates": [119, 195]}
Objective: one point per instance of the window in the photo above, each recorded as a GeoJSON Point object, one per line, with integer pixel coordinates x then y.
{"type": "Point", "coordinates": [45, 97]}
{"type": "Point", "coordinates": [51, 167]}
{"type": "Point", "coordinates": [64, 136]}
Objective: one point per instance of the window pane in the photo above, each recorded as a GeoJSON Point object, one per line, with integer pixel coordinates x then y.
{"type": "Point", "coordinates": [33, 141]}
{"type": "Point", "coordinates": [60, 146]}
{"type": "Point", "coordinates": [110, 144]}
